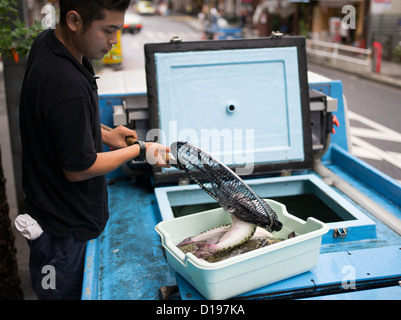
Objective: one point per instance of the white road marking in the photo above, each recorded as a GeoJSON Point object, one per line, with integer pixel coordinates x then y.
{"type": "Point", "coordinates": [377, 153]}
{"type": "Point", "coordinates": [374, 125]}
{"type": "Point", "coordinates": [374, 134]}
{"type": "Point", "coordinates": [361, 152]}
{"type": "Point", "coordinates": [364, 149]}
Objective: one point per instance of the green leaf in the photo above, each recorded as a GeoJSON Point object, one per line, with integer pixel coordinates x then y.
{"type": "Point", "coordinates": [15, 35]}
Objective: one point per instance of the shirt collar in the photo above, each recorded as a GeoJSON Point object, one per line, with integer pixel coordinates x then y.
{"type": "Point", "coordinates": [85, 68]}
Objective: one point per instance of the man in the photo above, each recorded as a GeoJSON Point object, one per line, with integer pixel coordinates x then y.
{"type": "Point", "coordinates": [63, 164]}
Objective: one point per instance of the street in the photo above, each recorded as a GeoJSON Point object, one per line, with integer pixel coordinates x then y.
{"type": "Point", "coordinates": [374, 112]}
{"type": "Point", "coordinates": [155, 29]}
{"type": "Point", "coordinates": [374, 109]}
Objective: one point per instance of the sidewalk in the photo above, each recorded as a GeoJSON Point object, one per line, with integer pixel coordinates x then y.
{"type": "Point", "coordinates": [390, 72]}
{"type": "Point", "coordinates": [390, 75]}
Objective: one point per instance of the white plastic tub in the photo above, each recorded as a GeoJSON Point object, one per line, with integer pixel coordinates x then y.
{"type": "Point", "coordinates": [248, 271]}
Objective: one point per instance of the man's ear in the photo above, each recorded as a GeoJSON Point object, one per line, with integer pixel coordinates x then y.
{"type": "Point", "coordinates": [74, 20]}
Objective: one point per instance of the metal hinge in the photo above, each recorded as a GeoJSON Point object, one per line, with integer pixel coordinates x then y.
{"type": "Point", "coordinates": [285, 173]}
{"type": "Point", "coordinates": [277, 35]}
{"type": "Point", "coordinates": [183, 181]}
{"type": "Point", "coordinates": [175, 39]}
{"type": "Point", "coordinates": [340, 233]}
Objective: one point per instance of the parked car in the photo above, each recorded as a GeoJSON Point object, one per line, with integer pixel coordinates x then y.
{"type": "Point", "coordinates": [221, 29]}
{"type": "Point", "coordinates": [132, 23]}
{"type": "Point", "coordinates": [145, 7]}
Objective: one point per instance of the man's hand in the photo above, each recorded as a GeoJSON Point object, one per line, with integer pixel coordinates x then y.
{"type": "Point", "coordinates": [116, 137]}
{"type": "Point", "coordinates": [157, 154]}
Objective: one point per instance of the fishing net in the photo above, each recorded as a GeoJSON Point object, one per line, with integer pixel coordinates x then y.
{"type": "Point", "coordinates": [226, 187]}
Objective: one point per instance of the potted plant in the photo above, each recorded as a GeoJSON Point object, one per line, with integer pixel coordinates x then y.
{"type": "Point", "coordinates": [15, 37]}
{"type": "Point", "coordinates": [15, 41]}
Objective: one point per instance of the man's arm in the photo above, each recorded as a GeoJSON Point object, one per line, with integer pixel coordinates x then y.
{"type": "Point", "coordinates": [109, 161]}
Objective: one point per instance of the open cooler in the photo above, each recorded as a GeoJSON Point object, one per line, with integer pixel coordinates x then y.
{"type": "Point", "coordinates": [245, 102]}
{"type": "Point", "coordinates": [249, 104]}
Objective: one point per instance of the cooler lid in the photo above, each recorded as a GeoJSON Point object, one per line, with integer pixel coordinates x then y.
{"type": "Point", "coordinates": [245, 102]}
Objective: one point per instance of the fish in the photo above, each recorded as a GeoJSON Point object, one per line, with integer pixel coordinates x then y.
{"type": "Point", "coordinates": [239, 232]}
{"type": "Point", "coordinates": [212, 246]}
{"type": "Point", "coordinates": [216, 232]}
{"type": "Point", "coordinates": [250, 245]}
{"type": "Point", "coordinates": [247, 209]}
{"type": "Point", "coordinates": [223, 237]}
{"type": "Point", "coordinates": [222, 184]}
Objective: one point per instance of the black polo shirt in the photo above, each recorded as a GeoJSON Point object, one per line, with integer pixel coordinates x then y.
{"type": "Point", "coordinates": [60, 129]}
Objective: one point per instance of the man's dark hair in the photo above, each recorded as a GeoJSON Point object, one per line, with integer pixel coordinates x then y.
{"type": "Point", "coordinates": [90, 10]}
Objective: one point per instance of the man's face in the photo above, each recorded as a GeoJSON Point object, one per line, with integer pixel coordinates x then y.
{"type": "Point", "coordinates": [99, 37]}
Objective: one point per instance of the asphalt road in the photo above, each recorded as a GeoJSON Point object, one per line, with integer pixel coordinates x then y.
{"type": "Point", "coordinates": [155, 29]}
{"type": "Point", "coordinates": [375, 114]}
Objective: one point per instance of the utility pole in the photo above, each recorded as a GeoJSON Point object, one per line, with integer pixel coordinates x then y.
{"type": "Point", "coordinates": [366, 25]}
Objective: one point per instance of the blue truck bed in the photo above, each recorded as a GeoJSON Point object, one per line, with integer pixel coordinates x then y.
{"type": "Point", "coordinates": [362, 262]}
{"type": "Point", "coordinates": [127, 260]}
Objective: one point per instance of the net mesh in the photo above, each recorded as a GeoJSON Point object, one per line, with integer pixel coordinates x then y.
{"type": "Point", "coordinates": [226, 187]}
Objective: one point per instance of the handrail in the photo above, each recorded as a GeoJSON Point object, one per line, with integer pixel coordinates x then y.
{"type": "Point", "coordinates": [333, 51]}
